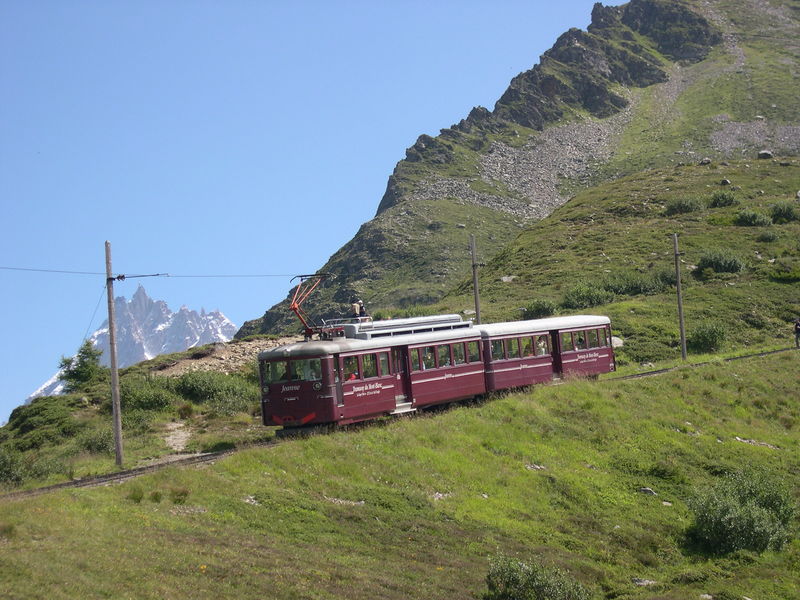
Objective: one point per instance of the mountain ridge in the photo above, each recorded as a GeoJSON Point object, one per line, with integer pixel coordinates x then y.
{"type": "Point", "coordinates": [569, 112]}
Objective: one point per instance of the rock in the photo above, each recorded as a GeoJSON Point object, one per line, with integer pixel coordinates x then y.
{"type": "Point", "coordinates": [642, 582]}
{"type": "Point", "coordinates": [667, 503]}
{"type": "Point", "coordinates": [647, 490]}
{"type": "Point", "coordinates": [535, 467]}
{"type": "Point", "coordinates": [617, 342]}
{"type": "Point", "coordinates": [706, 597]}
{"type": "Point", "coordinates": [797, 195]}
{"type": "Point", "coordinates": [705, 161]}
{"type": "Point", "coordinates": [508, 278]}
{"type": "Point", "coordinates": [725, 182]}
{"type": "Point", "coordinates": [764, 154]}
{"type": "Point", "coordinates": [461, 225]}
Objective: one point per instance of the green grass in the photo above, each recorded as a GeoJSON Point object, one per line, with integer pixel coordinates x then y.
{"type": "Point", "coordinates": [619, 231]}
{"type": "Point", "coordinates": [415, 508]}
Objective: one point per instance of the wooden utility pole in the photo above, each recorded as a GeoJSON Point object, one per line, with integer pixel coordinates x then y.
{"type": "Point", "coordinates": [475, 279]}
{"type": "Point", "coordinates": [680, 294]}
{"type": "Point", "coordinates": [112, 345]}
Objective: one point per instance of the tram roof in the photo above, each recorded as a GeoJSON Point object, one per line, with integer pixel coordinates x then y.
{"type": "Point", "coordinates": [343, 345]}
{"type": "Point", "coordinates": [542, 325]}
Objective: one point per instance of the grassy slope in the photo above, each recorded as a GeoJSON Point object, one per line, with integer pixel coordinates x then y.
{"type": "Point", "coordinates": [412, 509]}
{"type": "Point", "coordinates": [621, 226]}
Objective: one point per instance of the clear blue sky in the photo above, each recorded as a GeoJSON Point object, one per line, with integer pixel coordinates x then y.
{"type": "Point", "coordinates": [202, 138]}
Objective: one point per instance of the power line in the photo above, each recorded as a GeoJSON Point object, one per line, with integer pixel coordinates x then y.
{"type": "Point", "coordinates": [123, 277]}
{"type": "Point", "coordinates": [51, 271]}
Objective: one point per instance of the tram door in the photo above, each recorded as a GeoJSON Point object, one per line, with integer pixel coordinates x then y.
{"type": "Point", "coordinates": [402, 393]}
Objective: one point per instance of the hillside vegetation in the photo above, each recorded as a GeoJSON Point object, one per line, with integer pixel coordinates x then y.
{"type": "Point", "coordinates": [651, 84]}
{"type": "Point", "coordinates": [616, 239]}
{"type": "Point", "coordinates": [597, 479]}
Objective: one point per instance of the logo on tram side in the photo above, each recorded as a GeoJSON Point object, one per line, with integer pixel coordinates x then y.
{"type": "Point", "coordinates": [290, 388]}
{"type": "Point", "coordinates": [588, 357]}
{"type": "Point", "coordinates": [367, 389]}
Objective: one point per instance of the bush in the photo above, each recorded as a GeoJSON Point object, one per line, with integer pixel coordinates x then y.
{"type": "Point", "coordinates": [223, 394]}
{"type": "Point", "coordinates": [706, 337]}
{"type": "Point", "coordinates": [720, 261]}
{"type": "Point", "coordinates": [684, 205]}
{"type": "Point", "coordinates": [12, 470]}
{"type": "Point", "coordinates": [784, 212]}
{"type": "Point", "coordinates": [767, 236]}
{"type": "Point", "coordinates": [586, 295]}
{"type": "Point", "coordinates": [786, 270]}
{"type": "Point", "coordinates": [178, 495]}
{"type": "Point", "coordinates": [749, 218]}
{"type": "Point", "coordinates": [540, 308]}
{"type": "Point", "coordinates": [747, 510]}
{"type": "Point", "coordinates": [146, 393]}
{"type": "Point", "coordinates": [720, 199]}
{"type": "Point", "coordinates": [633, 283]}
{"type": "Point", "coordinates": [97, 441]}
{"type": "Point", "coordinates": [510, 579]}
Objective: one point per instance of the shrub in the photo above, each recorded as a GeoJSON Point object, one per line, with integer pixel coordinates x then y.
{"type": "Point", "coordinates": [786, 270]}
{"type": "Point", "coordinates": [720, 199]}
{"type": "Point", "coordinates": [750, 218]}
{"type": "Point", "coordinates": [185, 410]}
{"type": "Point", "coordinates": [223, 394]}
{"type": "Point", "coordinates": [784, 212]}
{"type": "Point", "coordinates": [510, 579]}
{"type": "Point", "coordinates": [633, 283]}
{"type": "Point", "coordinates": [586, 295]}
{"type": "Point", "coordinates": [136, 421]}
{"type": "Point", "coordinates": [135, 494]}
{"type": "Point", "coordinates": [767, 236]}
{"type": "Point", "coordinates": [178, 495]}
{"type": "Point", "coordinates": [155, 496]}
{"type": "Point", "coordinates": [747, 510]}
{"type": "Point", "coordinates": [706, 337]}
{"type": "Point", "coordinates": [720, 261]}
{"type": "Point", "coordinates": [539, 308]}
{"type": "Point", "coordinates": [12, 471]}
{"type": "Point", "coordinates": [684, 205]}
{"type": "Point", "coordinates": [97, 441]}
{"type": "Point", "coordinates": [145, 393]}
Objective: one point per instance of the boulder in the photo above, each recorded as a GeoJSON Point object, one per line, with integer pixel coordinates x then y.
{"type": "Point", "coordinates": [764, 154]}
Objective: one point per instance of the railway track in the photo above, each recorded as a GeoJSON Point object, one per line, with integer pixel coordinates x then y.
{"type": "Point", "coordinates": [120, 476]}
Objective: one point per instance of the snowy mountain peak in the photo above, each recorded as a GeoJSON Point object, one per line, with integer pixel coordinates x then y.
{"type": "Point", "coordinates": [147, 328]}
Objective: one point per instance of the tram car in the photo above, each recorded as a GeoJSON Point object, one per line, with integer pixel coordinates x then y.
{"type": "Point", "coordinates": [365, 369]}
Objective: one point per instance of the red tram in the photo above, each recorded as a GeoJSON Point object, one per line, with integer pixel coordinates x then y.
{"type": "Point", "coordinates": [372, 368]}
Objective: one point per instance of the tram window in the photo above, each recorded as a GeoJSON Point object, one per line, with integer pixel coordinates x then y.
{"type": "Point", "coordinates": [413, 355]}
{"type": "Point", "coordinates": [542, 345]}
{"type": "Point", "coordinates": [350, 368]}
{"type": "Point", "coordinates": [580, 340]}
{"type": "Point", "coordinates": [527, 346]}
{"type": "Point", "coordinates": [369, 366]}
{"type": "Point", "coordinates": [306, 370]}
{"type": "Point", "coordinates": [474, 352]}
{"type": "Point", "coordinates": [592, 335]}
{"type": "Point", "coordinates": [512, 348]}
{"type": "Point", "coordinates": [566, 342]}
{"type": "Point", "coordinates": [444, 355]}
{"type": "Point", "coordinates": [458, 354]}
{"type": "Point", "coordinates": [383, 358]}
{"type": "Point", "coordinates": [428, 360]}
{"type": "Point", "coordinates": [273, 372]}
{"type": "Point", "coordinates": [497, 350]}
{"type": "Point", "coordinates": [603, 339]}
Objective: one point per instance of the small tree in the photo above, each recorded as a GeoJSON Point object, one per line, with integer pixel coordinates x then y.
{"type": "Point", "coordinates": [82, 368]}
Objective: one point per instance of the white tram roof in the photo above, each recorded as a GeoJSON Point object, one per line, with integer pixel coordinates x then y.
{"type": "Point", "coordinates": [542, 325]}
{"type": "Point", "coordinates": [344, 345]}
